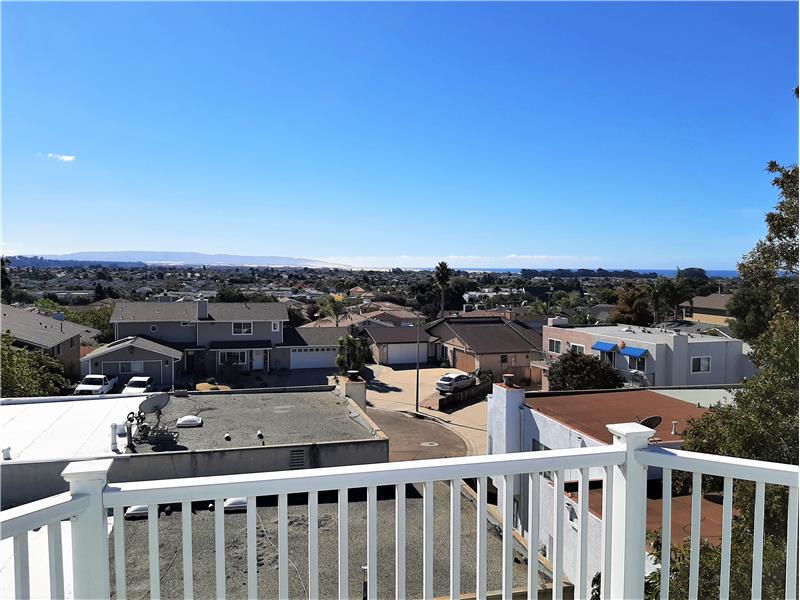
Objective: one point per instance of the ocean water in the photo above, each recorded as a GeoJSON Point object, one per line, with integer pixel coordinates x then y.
{"type": "Point", "coordinates": [713, 273]}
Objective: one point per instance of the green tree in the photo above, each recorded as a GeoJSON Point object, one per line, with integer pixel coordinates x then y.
{"type": "Point", "coordinates": [28, 372]}
{"type": "Point", "coordinates": [633, 306]}
{"type": "Point", "coordinates": [334, 308]}
{"type": "Point", "coordinates": [296, 317]}
{"type": "Point", "coordinates": [5, 283]}
{"type": "Point", "coordinates": [573, 371]}
{"type": "Point", "coordinates": [227, 293]}
{"type": "Point", "coordinates": [442, 275]}
{"type": "Point", "coordinates": [353, 353]}
{"type": "Point", "coordinates": [47, 304]}
{"type": "Point", "coordinates": [99, 292]}
{"type": "Point", "coordinates": [97, 318]}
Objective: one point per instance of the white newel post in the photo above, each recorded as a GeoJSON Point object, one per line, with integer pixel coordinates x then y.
{"type": "Point", "coordinates": [629, 514]}
{"type": "Point", "coordinates": [90, 569]}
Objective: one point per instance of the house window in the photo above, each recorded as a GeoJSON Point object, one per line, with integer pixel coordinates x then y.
{"type": "Point", "coordinates": [554, 346]}
{"type": "Point", "coordinates": [636, 364]}
{"type": "Point", "coordinates": [243, 328]}
{"type": "Point", "coordinates": [185, 324]}
{"type": "Point", "coordinates": [607, 357]}
{"type": "Point", "coordinates": [136, 366]}
{"type": "Point", "coordinates": [701, 364]}
{"type": "Point", "coordinates": [58, 349]}
{"type": "Point", "coordinates": [233, 358]}
{"type": "Point", "coordinates": [153, 328]}
{"type": "Point", "coordinates": [503, 358]}
{"type": "Point", "coordinates": [71, 342]}
{"type": "Point", "coordinates": [276, 326]}
{"type": "Point", "coordinates": [577, 348]}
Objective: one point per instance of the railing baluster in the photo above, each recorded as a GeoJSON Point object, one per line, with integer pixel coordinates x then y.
{"type": "Point", "coordinates": [313, 542]}
{"type": "Point", "coordinates": [694, 555]}
{"type": "Point", "coordinates": [343, 546]}
{"type": "Point", "coordinates": [22, 577]}
{"type": "Point", "coordinates": [608, 503]}
{"type": "Point", "coordinates": [372, 542]}
{"type": "Point", "coordinates": [56, 555]}
{"type": "Point", "coordinates": [758, 539]}
{"type": "Point", "coordinates": [119, 553]}
{"type": "Point", "coordinates": [252, 555]}
{"type": "Point", "coordinates": [533, 535]}
{"type": "Point", "coordinates": [400, 541]}
{"type": "Point", "coordinates": [186, 537]}
{"type": "Point", "coordinates": [791, 544]}
{"type": "Point", "coordinates": [583, 553]}
{"type": "Point", "coordinates": [283, 547]}
{"type": "Point", "coordinates": [455, 539]}
{"type": "Point", "coordinates": [508, 536]}
{"type": "Point", "coordinates": [219, 546]}
{"type": "Point", "coordinates": [480, 549]}
{"type": "Point", "coordinates": [427, 540]}
{"type": "Point", "coordinates": [727, 520]}
{"type": "Point", "coordinates": [153, 551]}
{"type": "Point", "coordinates": [558, 534]}
{"type": "Point", "coordinates": [666, 530]}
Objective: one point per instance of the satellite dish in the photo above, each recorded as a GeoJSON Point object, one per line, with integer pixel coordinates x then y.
{"type": "Point", "coordinates": [154, 403]}
{"type": "Point", "coordinates": [651, 422]}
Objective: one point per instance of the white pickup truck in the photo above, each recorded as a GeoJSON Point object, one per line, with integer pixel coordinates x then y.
{"type": "Point", "coordinates": [96, 384]}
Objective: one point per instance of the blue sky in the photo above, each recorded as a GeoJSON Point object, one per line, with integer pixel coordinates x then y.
{"type": "Point", "coordinates": [525, 134]}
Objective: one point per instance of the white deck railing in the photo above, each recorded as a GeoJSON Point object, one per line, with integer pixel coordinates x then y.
{"type": "Point", "coordinates": [623, 541]}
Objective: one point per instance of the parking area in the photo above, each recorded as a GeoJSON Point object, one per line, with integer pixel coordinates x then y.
{"type": "Point", "coordinates": [395, 390]}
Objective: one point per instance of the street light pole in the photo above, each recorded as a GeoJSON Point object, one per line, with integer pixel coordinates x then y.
{"type": "Point", "coordinates": [417, 401]}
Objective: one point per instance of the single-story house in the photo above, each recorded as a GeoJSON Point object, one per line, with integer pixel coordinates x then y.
{"type": "Point", "coordinates": [133, 356]}
{"type": "Point", "coordinates": [489, 343]}
{"type": "Point", "coordinates": [398, 345]}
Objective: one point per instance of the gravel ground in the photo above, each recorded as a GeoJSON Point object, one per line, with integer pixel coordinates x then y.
{"type": "Point", "coordinates": [236, 549]}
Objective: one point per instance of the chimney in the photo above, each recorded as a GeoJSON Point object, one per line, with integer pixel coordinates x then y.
{"type": "Point", "coordinates": [202, 308]}
{"type": "Point", "coordinates": [508, 379]}
{"type": "Point", "coordinates": [556, 321]}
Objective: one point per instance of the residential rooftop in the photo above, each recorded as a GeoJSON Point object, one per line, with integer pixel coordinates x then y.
{"type": "Point", "coordinates": [588, 412]}
{"type": "Point", "coordinates": [636, 333]}
{"type": "Point", "coordinates": [64, 427]}
{"type": "Point", "coordinates": [187, 311]}
{"type": "Point", "coordinates": [292, 417]}
{"type": "Point", "coordinates": [32, 328]}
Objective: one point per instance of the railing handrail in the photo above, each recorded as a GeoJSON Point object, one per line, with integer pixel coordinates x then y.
{"type": "Point", "coordinates": [356, 476]}
{"type": "Point", "coordinates": [721, 466]}
{"type": "Point", "coordinates": [24, 518]}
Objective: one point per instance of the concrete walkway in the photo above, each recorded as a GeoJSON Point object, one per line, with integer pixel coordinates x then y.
{"type": "Point", "coordinates": [395, 390]}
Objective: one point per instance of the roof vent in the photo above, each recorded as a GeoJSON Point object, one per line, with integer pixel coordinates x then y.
{"type": "Point", "coordinates": [189, 421]}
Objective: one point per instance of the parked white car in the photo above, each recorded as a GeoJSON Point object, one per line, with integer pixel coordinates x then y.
{"type": "Point", "coordinates": [138, 385]}
{"type": "Point", "coordinates": [454, 382]}
{"type": "Point", "coordinates": [96, 384]}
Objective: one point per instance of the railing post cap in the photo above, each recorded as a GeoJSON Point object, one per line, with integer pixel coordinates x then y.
{"type": "Point", "coordinates": [87, 470]}
{"type": "Point", "coordinates": [630, 431]}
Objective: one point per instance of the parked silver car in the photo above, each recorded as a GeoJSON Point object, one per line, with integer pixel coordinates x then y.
{"type": "Point", "coordinates": [454, 382]}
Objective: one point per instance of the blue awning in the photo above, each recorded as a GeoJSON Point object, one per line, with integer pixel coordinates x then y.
{"type": "Point", "coordinates": [605, 346]}
{"type": "Point", "coordinates": [633, 351]}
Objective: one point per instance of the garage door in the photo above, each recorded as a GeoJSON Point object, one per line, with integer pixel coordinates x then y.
{"type": "Point", "coordinates": [313, 358]}
{"type": "Point", "coordinates": [464, 362]}
{"type": "Point", "coordinates": [399, 354]}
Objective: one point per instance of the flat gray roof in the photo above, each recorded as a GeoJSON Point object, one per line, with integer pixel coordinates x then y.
{"type": "Point", "coordinates": [267, 541]}
{"type": "Point", "coordinates": [282, 417]}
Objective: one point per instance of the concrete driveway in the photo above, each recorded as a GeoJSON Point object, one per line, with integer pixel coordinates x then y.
{"type": "Point", "coordinates": [395, 390]}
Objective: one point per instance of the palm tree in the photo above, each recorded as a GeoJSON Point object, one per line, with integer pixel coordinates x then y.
{"type": "Point", "coordinates": [442, 275]}
{"type": "Point", "coordinates": [333, 308]}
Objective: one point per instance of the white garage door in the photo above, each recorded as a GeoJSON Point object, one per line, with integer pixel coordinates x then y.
{"type": "Point", "coordinates": [313, 358]}
{"type": "Point", "coordinates": [399, 354]}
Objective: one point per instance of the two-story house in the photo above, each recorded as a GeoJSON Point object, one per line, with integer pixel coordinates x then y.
{"type": "Point", "coordinates": [205, 335]}
{"type": "Point", "coordinates": [649, 356]}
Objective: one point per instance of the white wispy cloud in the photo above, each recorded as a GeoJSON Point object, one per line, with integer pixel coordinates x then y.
{"type": "Point", "coordinates": [61, 157]}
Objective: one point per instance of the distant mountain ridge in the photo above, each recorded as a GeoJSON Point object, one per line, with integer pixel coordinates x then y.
{"type": "Point", "coordinates": [155, 257]}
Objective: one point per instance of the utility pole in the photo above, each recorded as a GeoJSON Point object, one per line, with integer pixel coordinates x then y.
{"type": "Point", "coordinates": [417, 400]}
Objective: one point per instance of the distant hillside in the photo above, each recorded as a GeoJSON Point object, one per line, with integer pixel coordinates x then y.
{"type": "Point", "coordinates": [44, 263]}
{"type": "Point", "coordinates": [189, 258]}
